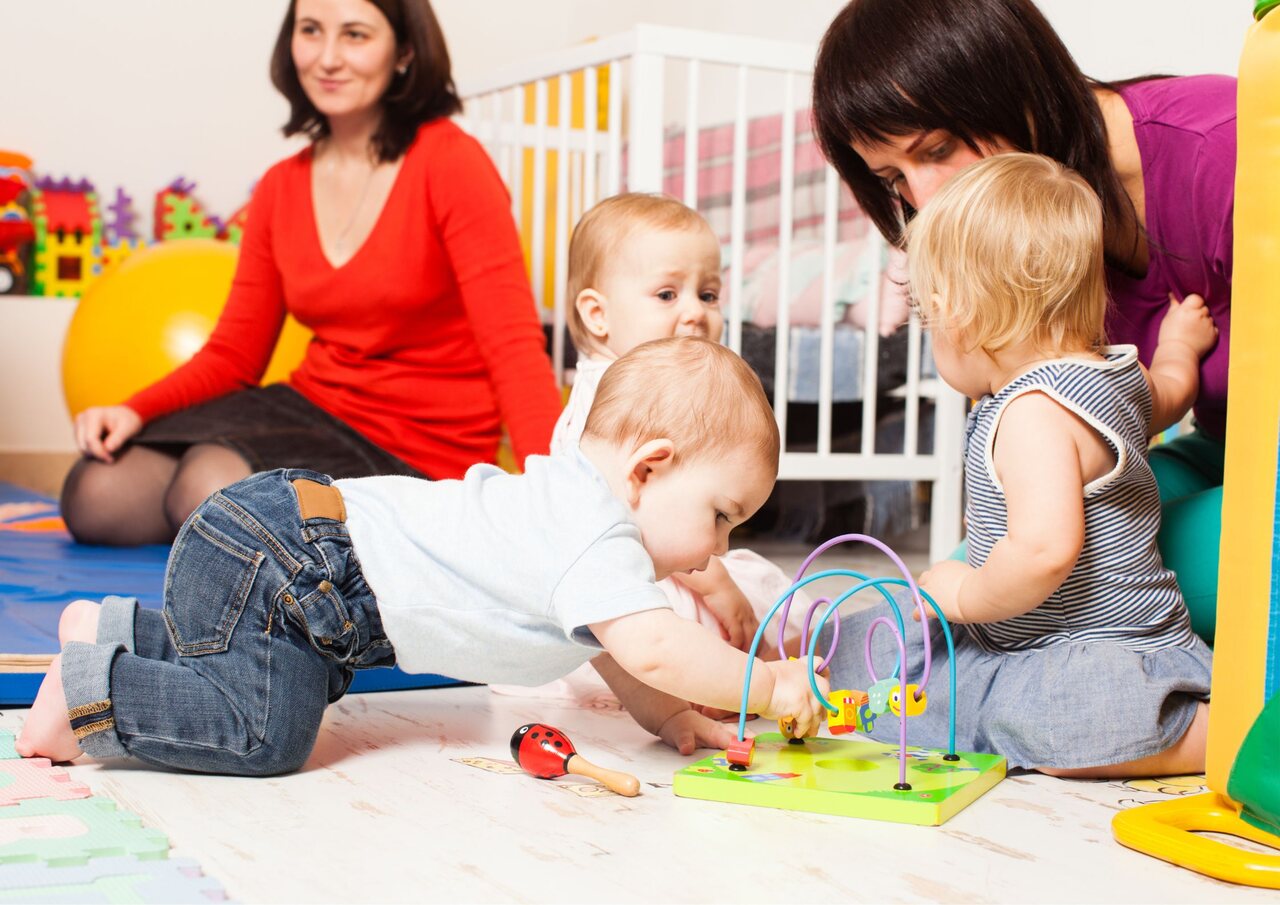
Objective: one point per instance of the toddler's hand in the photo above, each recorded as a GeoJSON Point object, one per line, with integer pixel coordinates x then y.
{"type": "Point", "coordinates": [794, 698]}
{"type": "Point", "coordinates": [688, 730]}
{"type": "Point", "coordinates": [1189, 322]}
{"type": "Point", "coordinates": [942, 581]}
{"type": "Point", "coordinates": [738, 623]}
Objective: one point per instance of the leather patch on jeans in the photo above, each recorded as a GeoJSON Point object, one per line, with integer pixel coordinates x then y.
{"type": "Point", "coordinates": [316, 500]}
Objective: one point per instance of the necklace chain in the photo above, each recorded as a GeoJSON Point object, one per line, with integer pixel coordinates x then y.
{"type": "Point", "coordinates": [339, 243]}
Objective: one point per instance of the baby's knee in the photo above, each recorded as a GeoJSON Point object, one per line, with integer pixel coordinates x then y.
{"type": "Point", "coordinates": [79, 622]}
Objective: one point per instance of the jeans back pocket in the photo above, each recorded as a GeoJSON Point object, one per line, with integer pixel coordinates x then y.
{"type": "Point", "coordinates": [206, 585]}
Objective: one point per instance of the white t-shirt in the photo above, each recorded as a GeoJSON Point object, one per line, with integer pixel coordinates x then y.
{"type": "Point", "coordinates": [586, 379]}
{"type": "Point", "coordinates": [495, 577]}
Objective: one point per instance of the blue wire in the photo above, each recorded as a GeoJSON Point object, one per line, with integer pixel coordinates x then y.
{"type": "Point", "coordinates": [764, 624]}
{"type": "Point", "coordinates": [946, 631]}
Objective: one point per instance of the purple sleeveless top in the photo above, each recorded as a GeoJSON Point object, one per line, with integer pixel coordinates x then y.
{"type": "Point", "coordinates": [1186, 131]}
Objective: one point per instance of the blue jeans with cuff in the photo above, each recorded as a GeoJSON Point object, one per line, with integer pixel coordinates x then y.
{"type": "Point", "coordinates": [266, 616]}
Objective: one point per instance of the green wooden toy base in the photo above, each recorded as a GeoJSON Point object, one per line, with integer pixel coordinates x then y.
{"type": "Point", "coordinates": [847, 778]}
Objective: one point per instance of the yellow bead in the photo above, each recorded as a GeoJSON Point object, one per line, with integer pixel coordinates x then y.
{"type": "Point", "coordinates": [915, 705]}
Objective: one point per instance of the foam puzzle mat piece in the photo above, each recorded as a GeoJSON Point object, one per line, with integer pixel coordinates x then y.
{"type": "Point", "coordinates": [111, 880]}
{"type": "Point", "coordinates": [72, 832]}
{"type": "Point", "coordinates": [36, 777]}
{"type": "Point", "coordinates": [7, 751]}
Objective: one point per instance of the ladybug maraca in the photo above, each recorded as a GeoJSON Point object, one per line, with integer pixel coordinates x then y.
{"type": "Point", "coordinates": [545, 752]}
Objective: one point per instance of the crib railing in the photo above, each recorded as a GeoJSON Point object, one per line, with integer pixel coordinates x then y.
{"type": "Point", "coordinates": [578, 125]}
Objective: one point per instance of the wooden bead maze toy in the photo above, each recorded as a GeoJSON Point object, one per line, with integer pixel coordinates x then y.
{"type": "Point", "coordinates": [846, 776]}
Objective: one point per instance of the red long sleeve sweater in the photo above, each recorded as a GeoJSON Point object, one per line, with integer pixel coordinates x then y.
{"type": "Point", "coordinates": [425, 341]}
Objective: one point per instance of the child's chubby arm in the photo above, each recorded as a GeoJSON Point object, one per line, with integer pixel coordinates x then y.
{"type": "Point", "coordinates": [722, 596]}
{"type": "Point", "coordinates": [667, 717]}
{"type": "Point", "coordinates": [689, 662]}
{"type": "Point", "coordinates": [1187, 333]}
{"type": "Point", "coordinates": [1038, 459]}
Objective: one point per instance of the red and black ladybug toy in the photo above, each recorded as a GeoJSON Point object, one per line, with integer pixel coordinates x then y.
{"type": "Point", "coordinates": [545, 752]}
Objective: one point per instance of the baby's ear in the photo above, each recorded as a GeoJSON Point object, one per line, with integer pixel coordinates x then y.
{"type": "Point", "coordinates": [649, 459]}
{"type": "Point", "coordinates": [590, 305]}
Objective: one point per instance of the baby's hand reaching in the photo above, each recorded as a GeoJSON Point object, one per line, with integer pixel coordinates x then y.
{"type": "Point", "coordinates": [942, 582]}
{"type": "Point", "coordinates": [793, 697]}
{"type": "Point", "coordinates": [688, 730]}
{"type": "Point", "coordinates": [1190, 323]}
{"type": "Point", "coordinates": [731, 608]}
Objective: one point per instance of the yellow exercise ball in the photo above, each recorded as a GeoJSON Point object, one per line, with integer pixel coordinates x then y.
{"type": "Point", "coordinates": [142, 319]}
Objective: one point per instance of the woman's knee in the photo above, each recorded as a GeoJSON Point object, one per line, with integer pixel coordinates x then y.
{"type": "Point", "coordinates": [88, 501]}
{"type": "Point", "coordinates": [203, 470]}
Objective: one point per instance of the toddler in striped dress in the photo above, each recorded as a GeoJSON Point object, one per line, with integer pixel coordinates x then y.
{"type": "Point", "coordinates": [1073, 646]}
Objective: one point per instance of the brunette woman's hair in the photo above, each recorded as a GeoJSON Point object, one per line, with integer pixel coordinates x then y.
{"type": "Point", "coordinates": [423, 93]}
{"type": "Point", "coordinates": [979, 69]}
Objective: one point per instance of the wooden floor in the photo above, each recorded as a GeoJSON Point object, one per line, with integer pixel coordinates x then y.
{"type": "Point", "coordinates": [389, 809]}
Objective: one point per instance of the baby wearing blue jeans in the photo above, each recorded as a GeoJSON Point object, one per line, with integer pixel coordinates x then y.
{"type": "Point", "coordinates": [282, 585]}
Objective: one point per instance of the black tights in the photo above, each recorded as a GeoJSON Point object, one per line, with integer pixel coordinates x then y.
{"type": "Point", "coordinates": [145, 495]}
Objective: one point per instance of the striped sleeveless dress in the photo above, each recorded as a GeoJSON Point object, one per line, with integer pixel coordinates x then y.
{"type": "Point", "coordinates": [1107, 670]}
{"type": "Point", "coordinates": [1118, 592]}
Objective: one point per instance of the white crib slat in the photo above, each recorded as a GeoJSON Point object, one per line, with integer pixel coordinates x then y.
{"type": "Point", "coordinates": [613, 183]}
{"type": "Point", "coordinates": [591, 123]}
{"type": "Point", "coordinates": [562, 228]}
{"type": "Point", "coordinates": [870, 366]}
{"type": "Point", "coordinates": [948, 486]}
{"type": "Point", "coordinates": [786, 214]}
{"type": "Point", "coordinates": [830, 220]}
{"type": "Point", "coordinates": [691, 136]}
{"type": "Point", "coordinates": [738, 213]}
{"type": "Point", "coordinates": [911, 436]}
{"type": "Point", "coordinates": [516, 185]}
{"type": "Point", "coordinates": [644, 131]}
{"type": "Point", "coordinates": [539, 244]}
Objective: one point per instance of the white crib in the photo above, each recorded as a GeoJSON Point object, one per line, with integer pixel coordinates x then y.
{"type": "Point", "coordinates": [655, 92]}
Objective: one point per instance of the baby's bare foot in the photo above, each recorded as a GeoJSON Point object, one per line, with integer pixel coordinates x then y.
{"type": "Point", "coordinates": [79, 622]}
{"type": "Point", "coordinates": [47, 731]}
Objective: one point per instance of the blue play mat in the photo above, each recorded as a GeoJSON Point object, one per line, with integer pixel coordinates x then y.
{"type": "Point", "coordinates": [42, 570]}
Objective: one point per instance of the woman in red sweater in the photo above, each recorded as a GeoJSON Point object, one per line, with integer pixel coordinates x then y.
{"type": "Point", "coordinates": [391, 238]}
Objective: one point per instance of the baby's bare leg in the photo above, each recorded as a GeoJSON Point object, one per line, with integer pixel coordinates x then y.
{"type": "Point", "coordinates": [47, 731]}
{"type": "Point", "coordinates": [79, 622]}
{"type": "Point", "coordinates": [1185, 756]}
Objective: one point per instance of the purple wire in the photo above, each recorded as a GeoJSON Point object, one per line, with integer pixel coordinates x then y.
{"type": "Point", "coordinates": [911, 583]}
{"type": "Point", "coordinates": [902, 677]}
{"type": "Point", "coordinates": [804, 635]}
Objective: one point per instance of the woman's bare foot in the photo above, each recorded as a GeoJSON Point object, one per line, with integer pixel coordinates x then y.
{"type": "Point", "coordinates": [79, 622]}
{"type": "Point", "coordinates": [47, 731]}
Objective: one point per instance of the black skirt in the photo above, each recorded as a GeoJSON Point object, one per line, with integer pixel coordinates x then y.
{"type": "Point", "coordinates": [275, 427]}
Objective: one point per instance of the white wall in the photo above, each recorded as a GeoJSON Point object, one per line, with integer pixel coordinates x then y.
{"type": "Point", "coordinates": [136, 92]}
{"type": "Point", "coordinates": [133, 93]}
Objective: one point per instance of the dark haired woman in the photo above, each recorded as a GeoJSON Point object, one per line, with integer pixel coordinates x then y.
{"type": "Point", "coordinates": [391, 238]}
{"type": "Point", "coordinates": [908, 92]}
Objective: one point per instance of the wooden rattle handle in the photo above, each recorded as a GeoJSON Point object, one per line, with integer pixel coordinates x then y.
{"type": "Point", "coordinates": [622, 783]}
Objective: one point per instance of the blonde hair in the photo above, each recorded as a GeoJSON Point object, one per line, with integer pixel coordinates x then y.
{"type": "Point", "coordinates": [1009, 250]}
{"type": "Point", "coordinates": [695, 392]}
{"type": "Point", "coordinates": [599, 233]}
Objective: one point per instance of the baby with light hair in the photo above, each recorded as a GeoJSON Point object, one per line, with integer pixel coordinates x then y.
{"type": "Point", "coordinates": [644, 267]}
{"type": "Point", "coordinates": [1072, 639]}
{"type": "Point", "coordinates": [282, 585]}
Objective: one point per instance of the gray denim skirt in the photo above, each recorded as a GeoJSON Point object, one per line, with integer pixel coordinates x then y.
{"type": "Point", "coordinates": [275, 427]}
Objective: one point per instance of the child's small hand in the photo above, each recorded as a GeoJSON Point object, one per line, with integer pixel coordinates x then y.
{"type": "Point", "coordinates": [733, 610]}
{"type": "Point", "coordinates": [942, 582]}
{"type": "Point", "coordinates": [688, 730]}
{"type": "Point", "coordinates": [793, 697]}
{"type": "Point", "coordinates": [1188, 322]}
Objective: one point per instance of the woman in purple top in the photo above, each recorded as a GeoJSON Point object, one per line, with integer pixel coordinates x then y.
{"type": "Point", "coordinates": [908, 92]}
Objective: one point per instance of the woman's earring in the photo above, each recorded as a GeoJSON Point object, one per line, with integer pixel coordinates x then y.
{"type": "Point", "coordinates": [401, 70]}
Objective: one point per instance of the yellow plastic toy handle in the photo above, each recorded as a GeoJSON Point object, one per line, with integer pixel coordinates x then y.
{"type": "Point", "coordinates": [1168, 830]}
